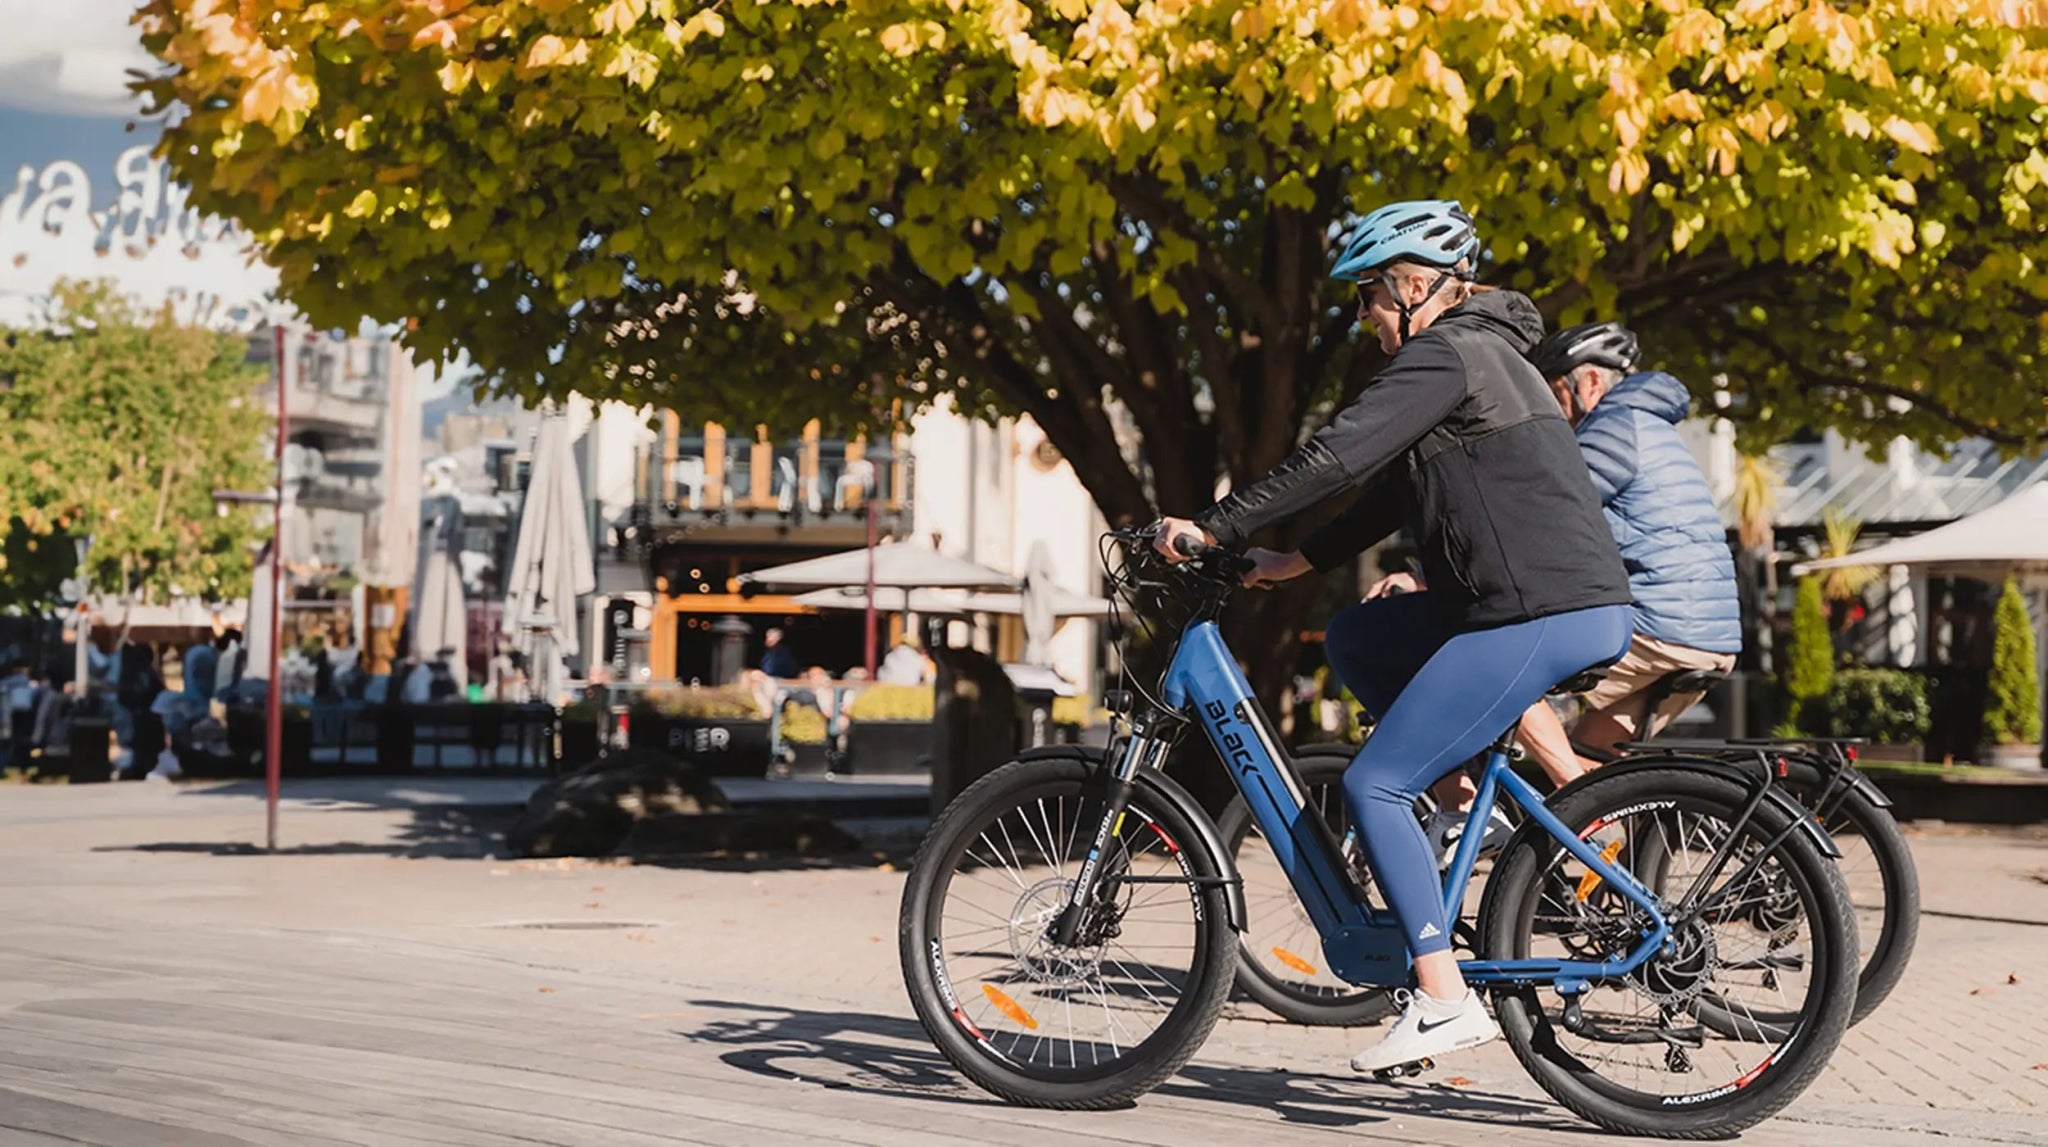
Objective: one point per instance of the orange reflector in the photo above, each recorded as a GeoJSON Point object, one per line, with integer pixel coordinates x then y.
{"type": "Point", "coordinates": [1293, 961]}
{"type": "Point", "coordinates": [1008, 1006]}
{"type": "Point", "coordinates": [1591, 880]}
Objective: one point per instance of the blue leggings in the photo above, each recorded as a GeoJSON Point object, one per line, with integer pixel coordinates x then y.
{"type": "Point", "coordinates": [1440, 696]}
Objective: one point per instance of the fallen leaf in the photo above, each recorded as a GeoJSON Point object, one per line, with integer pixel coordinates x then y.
{"type": "Point", "coordinates": [597, 888]}
{"type": "Point", "coordinates": [640, 936]}
{"type": "Point", "coordinates": [2012, 978]}
{"type": "Point", "coordinates": [2041, 1067]}
{"type": "Point", "coordinates": [874, 939]}
{"type": "Point", "coordinates": [885, 866]}
{"type": "Point", "coordinates": [1980, 991]}
{"type": "Point", "coordinates": [595, 904]}
{"type": "Point", "coordinates": [547, 991]}
{"type": "Point", "coordinates": [1458, 1081]}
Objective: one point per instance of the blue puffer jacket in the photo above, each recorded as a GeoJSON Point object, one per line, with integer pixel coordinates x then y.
{"type": "Point", "coordinates": [1680, 569]}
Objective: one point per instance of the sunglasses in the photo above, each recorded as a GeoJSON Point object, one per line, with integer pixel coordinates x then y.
{"type": "Point", "coordinates": [1365, 289]}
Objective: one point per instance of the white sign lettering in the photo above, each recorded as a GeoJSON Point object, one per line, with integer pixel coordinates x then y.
{"type": "Point", "coordinates": [147, 239]}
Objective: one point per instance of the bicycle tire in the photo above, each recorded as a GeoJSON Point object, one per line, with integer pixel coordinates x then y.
{"type": "Point", "coordinates": [1100, 1086]}
{"type": "Point", "coordinates": [1292, 999]}
{"type": "Point", "coordinates": [1884, 954]}
{"type": "Point", "coordinates": [1507, 928]}
{"type": "Point", "coordinates": [1899, 931]}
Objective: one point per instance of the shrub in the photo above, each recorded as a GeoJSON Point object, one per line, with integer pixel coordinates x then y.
{"type": "Point", "coordinates": [1885, 705]}
{"type": "Point", "coordinates": [1077, 711]}
{"type": "Point", "coordinates": [729, 701]}
{"type": "Point", "coordinates": [1810, 655]}
{"type": "Point", "coordinates": [2012, 713]}
{"type": "Point", "coordinates": [803, 725]}
{"type": "Point", "coordinates": [892, 703]}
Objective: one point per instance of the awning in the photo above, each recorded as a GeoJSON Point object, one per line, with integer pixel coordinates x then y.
{"type": "Point", "coordinates": [2010, 536]}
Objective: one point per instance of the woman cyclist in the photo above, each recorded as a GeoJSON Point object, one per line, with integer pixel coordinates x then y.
{"type": "Point", "coordinates": [1458, 438]}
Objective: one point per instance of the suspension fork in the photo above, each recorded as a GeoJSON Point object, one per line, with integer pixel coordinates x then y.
{"type": "Point", "coordinates": [1144, 748]}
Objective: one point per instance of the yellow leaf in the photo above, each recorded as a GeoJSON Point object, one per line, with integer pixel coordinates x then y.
{"type": "Point", "coordinates": [440, 34]}
{"type": "Point", "coordinates": [1683, 106]}
{"type": "Point", "coordinates": [363, 204]}
{"type": "Point", "coordinates": [898, 40]}
{"type": "Point", "coordinates": [1912, 136]}
{"type": "Point", "coordinates": [545, 50]}
{"type": "Point", "coordinates": [1855, 123]}
{"type": "Point", "coordinates": [455, 76]}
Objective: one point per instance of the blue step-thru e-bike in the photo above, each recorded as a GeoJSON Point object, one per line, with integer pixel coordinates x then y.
{"type": "Point", "coordinates": [1670, 951]}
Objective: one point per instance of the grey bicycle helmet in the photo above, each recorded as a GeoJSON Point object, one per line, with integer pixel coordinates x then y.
{"type": "Point", "coordinates": [1604, 344]}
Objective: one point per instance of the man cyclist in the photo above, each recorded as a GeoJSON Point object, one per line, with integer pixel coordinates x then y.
{"type": "Point", "coordinates": [1687, 614]}
{"type": "Point", "coordinates": [1458, 438]}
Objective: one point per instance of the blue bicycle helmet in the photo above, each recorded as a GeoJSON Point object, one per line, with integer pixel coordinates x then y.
{"type": "Point", "coordinates": [1433, 232]}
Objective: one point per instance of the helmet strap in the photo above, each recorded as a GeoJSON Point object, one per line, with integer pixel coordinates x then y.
{"type": "Point", "coordinates": [1408, 309]}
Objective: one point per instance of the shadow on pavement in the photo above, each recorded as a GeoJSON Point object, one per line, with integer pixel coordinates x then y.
{"type": "Point", "coordinates": [438, 831]}
{"type": "Point", "coordinates": [886, 1055]}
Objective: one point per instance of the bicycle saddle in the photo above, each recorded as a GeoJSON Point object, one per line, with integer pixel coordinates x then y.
{"type": "Point", "coordinates": [1583, 680]}
{"type": "Point", "coordinates": [1683, 681]}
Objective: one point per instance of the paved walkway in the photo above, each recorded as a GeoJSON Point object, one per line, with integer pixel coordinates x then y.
{"type": "Point", "coordinates": [385, 982]}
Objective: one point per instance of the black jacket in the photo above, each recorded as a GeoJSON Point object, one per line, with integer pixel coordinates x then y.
{"type": "Point", "coordinates": [1460, 440]}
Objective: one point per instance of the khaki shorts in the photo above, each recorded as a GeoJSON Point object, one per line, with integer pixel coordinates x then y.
{"type": "Point", "coordinates": [1620, 695]}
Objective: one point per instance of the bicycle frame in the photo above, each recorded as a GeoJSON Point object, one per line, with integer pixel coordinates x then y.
{"type": "Point", "coordinates": [1363, 945]}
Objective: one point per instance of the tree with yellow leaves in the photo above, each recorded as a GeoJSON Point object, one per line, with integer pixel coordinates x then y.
{"type": "Point", "coordinates": [1117, 217]}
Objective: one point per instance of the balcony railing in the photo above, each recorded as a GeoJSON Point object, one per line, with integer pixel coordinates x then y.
{"type": "Point", "coordinates": [692, 473]}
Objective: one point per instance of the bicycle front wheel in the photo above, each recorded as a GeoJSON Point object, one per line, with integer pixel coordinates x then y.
{"type": "Point", "coordinates": [1090, 1024]}
{"type": "Point", "coordinates": [1634, 1054]}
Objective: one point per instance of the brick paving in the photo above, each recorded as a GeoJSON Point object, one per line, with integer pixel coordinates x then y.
{"type": "Point", "coordinates": [385, 983]}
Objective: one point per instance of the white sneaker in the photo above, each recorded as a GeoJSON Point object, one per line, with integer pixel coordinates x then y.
{"type": "Point", "coordinates": [1446, 826]}
{"type": "Point", "coordinates": [1429, 1028]}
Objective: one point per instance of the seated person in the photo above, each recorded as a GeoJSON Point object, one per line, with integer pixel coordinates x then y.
{"type": "Point", "coordinates": [1680, 571]}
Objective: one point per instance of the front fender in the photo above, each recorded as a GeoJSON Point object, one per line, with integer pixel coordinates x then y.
{"type": "Point", "coordinates": [1209, 856]}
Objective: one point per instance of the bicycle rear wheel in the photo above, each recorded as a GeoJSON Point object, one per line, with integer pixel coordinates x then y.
{"type": "Point", "coordinates": [1877, 865]}
{"type": "Point", "coordinates": [1092, 1024]}
{"type": "Point", "coordinates": [1630, 1054]}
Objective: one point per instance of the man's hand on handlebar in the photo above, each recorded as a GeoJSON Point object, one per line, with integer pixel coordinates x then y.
{"type": "Point", "coordinates": [1167, 537]}
{"type": "Point", "coordinates": [1271, 567]}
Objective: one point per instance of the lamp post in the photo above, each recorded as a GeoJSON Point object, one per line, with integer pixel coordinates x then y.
{"type": "Point", "coordinates": [273, 716]}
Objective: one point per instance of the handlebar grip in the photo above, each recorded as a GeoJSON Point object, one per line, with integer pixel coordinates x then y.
{"type": "Point", "coordinates": [1189, 546]}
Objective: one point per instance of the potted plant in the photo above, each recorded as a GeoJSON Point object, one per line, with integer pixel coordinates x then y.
{"type": "Point", "coordinates": [1888, 707]}
{"type": "Point", "coordinates": [1809, 658]}
{"type": "Point", "coordinates": [889, 729]}
{"type": "Point", "coordinates": [2012, 711]}
{"type": "Point", "coordinates": [722, 730]}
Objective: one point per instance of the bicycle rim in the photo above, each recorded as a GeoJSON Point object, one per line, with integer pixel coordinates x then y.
{"type": "Point", "coordinates": [1077, 1012]}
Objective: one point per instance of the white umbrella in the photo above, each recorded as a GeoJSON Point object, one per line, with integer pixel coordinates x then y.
{"type": "Point", "coordinates": [440, 617]}
{"type": "Point", "coordinates": [1039, 588]}
{"type": "Point", "coordinates": [551, 563]}
{"type": "Point", "coordinates": [2010, 536]}
{"type": "Point", "coordinates": [256, 635]}
{"type": "Point", "coordinates": [900, 564]}
{"type": "Point", "coordinates": [891, 599]}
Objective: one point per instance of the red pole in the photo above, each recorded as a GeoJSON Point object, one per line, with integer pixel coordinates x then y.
{"type": "Point", "coordinates": [872, 484]}
{"type": "Point", "coordinates": [273, 734]}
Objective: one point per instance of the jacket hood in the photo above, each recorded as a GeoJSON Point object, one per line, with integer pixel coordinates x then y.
{"type": "Point", "coordinates": [1652, 392]}
{"type": "Point", "coordinates": [1508, 314]}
